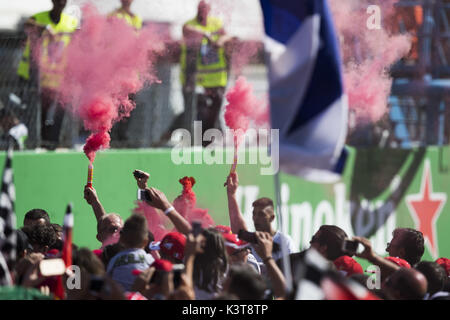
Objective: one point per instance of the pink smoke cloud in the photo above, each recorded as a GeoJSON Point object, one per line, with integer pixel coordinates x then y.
{"type": "Point", "coordinates": [186, 204]}
{"type": "Point", "coordinates": [368, 55]}
{"type": "Point", "coordinates": [106, 61]}
{"type": "Point", "coordinates": [244, 109]}
{"type": "Point", "coordinates": [157, 222]}
{"type": "Point", "coordinates": [242, 52]}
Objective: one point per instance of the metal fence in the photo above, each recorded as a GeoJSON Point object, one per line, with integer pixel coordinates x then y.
{"type": "Point", "coordinates": [419, 106]}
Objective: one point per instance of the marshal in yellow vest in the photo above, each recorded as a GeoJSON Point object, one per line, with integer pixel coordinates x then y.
{"type": "Point", "coordinates": [211, 63]}
{"type": "Point", "coordinates": [54, 41]}
{"type": "Point", "coordinates": [134, 21]}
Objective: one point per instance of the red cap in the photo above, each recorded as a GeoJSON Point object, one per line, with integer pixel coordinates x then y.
{"type": "Point", "coordinates": [399, 261]}
{"type": "Point", "coordinates": [223, 229]}
{"type": "Point", "coordinates": [233, 243]}
{"type": "Point", "coordinates": [445, 263]}
{"type": "Point", "coordinates": [348, 265]}
{"type": "Point", "coordinates": [162, 265]}
{"type": "Point", "coordinates": [98, 253]}
{"type": "Point", "coordinates": [173, 245]}
{"type": "Point", "coordinates": [52, 253]}
{"type": "Point", "coordinates": [134, 296]}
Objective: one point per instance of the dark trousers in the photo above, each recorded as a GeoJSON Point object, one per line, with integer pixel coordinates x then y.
{"type": "Point", "coordinates": [52, 116]}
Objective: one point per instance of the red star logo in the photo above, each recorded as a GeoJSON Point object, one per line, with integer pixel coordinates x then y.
{"type": "Point", "coordinates": [425, 208]}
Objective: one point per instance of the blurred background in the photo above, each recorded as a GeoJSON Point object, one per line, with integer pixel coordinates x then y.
{"type": "Point", "coordinates": [418, 104]}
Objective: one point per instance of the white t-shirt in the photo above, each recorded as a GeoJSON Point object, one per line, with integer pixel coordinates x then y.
{"type": "Point", "coordinates": [251, 260]}
{"type": "Point", "coordinates": [121, 266]}
{"type": "Point", "coordinates": [277, 238]}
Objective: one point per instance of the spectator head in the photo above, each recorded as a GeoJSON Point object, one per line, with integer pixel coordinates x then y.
{"type": "Point", "coordinates": [58, 230]}
{"type": "Point", "coordinates": [263, 214]}
{"type": "Point", "coordinates": [41, 237]}
{"type": "Point", "coordinates": [134, 233]}
{"type": "Point", "coordinates": [223, 229]}
{"type": "Point", "coordinates": [59, 5]}
{"type": "Point", "coordinates": [172, 246]}
{"type": "Point", "coordinates": [108, 225]}
{"type": "Point", "coordinates": [212, 263]}
{"type": "Point", "coordinates": [402, 263]}
{"type": "Point", "coordinates": [406, 284]}
{"type": "Point", "coordinates": [237, 250]}
{"type": "Point", "coordinates": [126, 3]}
{"type": "Point", "coordinates": [328, 240]}
{"type": "Point", "coordinates": [36, 216]}
{"type": "Point", "coordinates": [203, 10]}
{"type": "Point", "coordinates": [444, 263]}
{"type": "Point", "coordinates": [348, 266]}
{"type": "Point", "coordinates": [23, 246]}
{"type": "Point", "coordinates": [59, 237]}
{"type": "Point", "coordinates": [90, 266]}
{"type": "Point", "coordinates": [407, 244]}
{"type": "Point", "coordinates": [87, 260]}
{"type": "Point", "coordinates": [435, 275]}
{"type": "Point", "coordinates": [110, 251]}
{"type": "Point", "coordinates": [243, 282]}
{"type": "Point", "coordinates": [162, 268]}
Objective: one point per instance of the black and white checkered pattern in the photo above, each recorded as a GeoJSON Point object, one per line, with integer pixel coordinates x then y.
{"type": "Point", "coordinates": [310, 270]}
{"type": "Point", "coordinates": [7, 220]}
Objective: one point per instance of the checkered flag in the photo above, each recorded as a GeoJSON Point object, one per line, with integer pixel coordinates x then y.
{"type": "Point", "coordinates": [316, 279]}
{"type": "Point", "coordinates": [7, 221]}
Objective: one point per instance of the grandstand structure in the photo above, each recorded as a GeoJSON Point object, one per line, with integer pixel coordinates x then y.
{"type": "Point", "coordinates": [419, 103]}
{"type": "Point", "coordinates": [420, 93]}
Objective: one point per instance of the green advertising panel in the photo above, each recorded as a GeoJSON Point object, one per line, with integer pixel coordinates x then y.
{"type": "Point", "coordinates": [379, 191]}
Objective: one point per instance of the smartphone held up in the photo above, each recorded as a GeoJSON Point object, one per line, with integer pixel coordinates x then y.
{"type": "Point", "coordinates": [350, 247]}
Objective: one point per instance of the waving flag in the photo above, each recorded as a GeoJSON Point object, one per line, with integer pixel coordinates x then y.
{"type": "Point", "coordinates": [7, 221]}
{"type": "Point", "coordinates": [307, 99]}
{"type": "Point", "coordinates": [317, 280]}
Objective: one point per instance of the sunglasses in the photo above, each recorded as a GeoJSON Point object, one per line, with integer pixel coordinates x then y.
{"type": "Point", "coordinates": [239, 251]}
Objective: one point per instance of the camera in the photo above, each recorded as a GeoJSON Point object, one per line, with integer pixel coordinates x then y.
{"type": "Point", "coordinates": [138, 174]}
{"type": "Point", "coordinates": [143, 195]}
{"type": "Point", "coordinates": [350, 247]}
{"type": "Point", "coordinates": [196, 228]}
{"type": "Point", "coordinates": [247, 236]}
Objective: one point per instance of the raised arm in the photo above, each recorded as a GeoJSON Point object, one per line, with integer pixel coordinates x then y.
{"type": "Point", "coordinates": [90, 195]}
{"type": "Point", "coordinates": [159, 201]}
{"type": "Point", "coordinates": [386, 267]}
{"type": "Point", "coordinates": [264, 249]}
{"type": "Point", "coordinates": [237, 221]}
{"type": "Point", "coordinates": [186, 289]}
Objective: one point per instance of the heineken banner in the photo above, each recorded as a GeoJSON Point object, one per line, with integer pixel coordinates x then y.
{"type": "Point", "coordinates": [379, 191]}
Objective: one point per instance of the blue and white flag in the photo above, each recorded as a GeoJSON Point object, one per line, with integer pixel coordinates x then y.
{"type": "Point", "coordinates": [307, 98]}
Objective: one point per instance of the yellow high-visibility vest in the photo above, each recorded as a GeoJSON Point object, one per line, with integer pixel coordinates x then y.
{"type": "Point", "coordinates": [52, 49]}
{"type": "Point", "coordinates": [134, 21]}
{"type": "Point", "coordinates": [211, 63]}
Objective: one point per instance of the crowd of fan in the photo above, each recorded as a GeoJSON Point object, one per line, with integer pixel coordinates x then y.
{"type": "Point", "coordinates": [211, 263]}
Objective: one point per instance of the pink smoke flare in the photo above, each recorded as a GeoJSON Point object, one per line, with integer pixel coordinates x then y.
{"type": "Point", "coordinates": [244, 109]}
{"type": "Point", "coordinates": [157, 222]}
{"type": "Point", "coordinates": [186, 204]}
{"type": "Point", "coordinates": [368, 55]}
{"type": "Point", "coordinates": [107, 60]}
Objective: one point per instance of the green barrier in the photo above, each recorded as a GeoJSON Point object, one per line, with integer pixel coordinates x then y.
{"type": "Point", "coordinates": [379, 191]}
